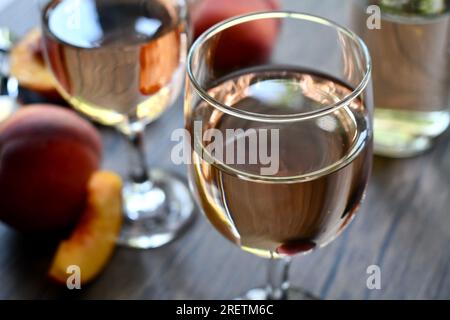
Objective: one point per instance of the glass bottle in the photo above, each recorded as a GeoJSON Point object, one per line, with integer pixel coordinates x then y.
{"type": "Point", "coordinates": [411, 75]}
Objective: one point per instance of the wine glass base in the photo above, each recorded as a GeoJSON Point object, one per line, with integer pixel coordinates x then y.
{"type": "Point", "coordinates": [292, 294]}
{"type": "Point", "coordinates": [155, 213]}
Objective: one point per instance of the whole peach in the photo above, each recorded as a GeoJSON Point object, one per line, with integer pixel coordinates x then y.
{"type": "Point", "coordinates": [243, 45]}
{"type": "Point", "coordinates": [47, 155]}
{"type": "Point", "coordinates": [206, 13]}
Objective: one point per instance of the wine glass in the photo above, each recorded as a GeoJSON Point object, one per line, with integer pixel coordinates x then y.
{"type": "Point", "coordinates": [121, 63]}
{"type": "Point", "coordinates": [279, 110]}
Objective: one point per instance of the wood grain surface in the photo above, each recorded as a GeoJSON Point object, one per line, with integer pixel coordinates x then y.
{"type": "Point", "coordinates": [403, 226]}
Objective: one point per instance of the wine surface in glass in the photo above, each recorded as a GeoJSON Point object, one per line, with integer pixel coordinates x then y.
{"type": "Point", "coordinates": [120, 61]}
{"type": "Point", "coordinates": [324, 163]}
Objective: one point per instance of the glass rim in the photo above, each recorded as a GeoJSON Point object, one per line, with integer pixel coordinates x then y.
{"type": "Point", "coordinates": [234, 21]}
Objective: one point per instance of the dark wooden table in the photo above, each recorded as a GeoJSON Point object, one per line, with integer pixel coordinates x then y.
{"type": "Point", "coordinates": [403, 227]}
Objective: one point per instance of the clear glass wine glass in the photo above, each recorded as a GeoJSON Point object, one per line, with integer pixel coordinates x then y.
{"type": "Point", "coordinates": [122, 63]}
{"type": "Point", "coordinates": [279, 110]}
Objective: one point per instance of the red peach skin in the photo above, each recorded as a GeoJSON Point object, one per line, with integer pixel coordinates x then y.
{"type": "Point", "coordinates": [47, 155]}
{"type": "Point", "coordinates": [240, 46]}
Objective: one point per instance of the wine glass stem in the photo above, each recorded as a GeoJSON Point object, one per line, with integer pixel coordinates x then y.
{"type": "Point", "coordinates": [138, 162]}
{"type": "Point", "coordinates": [278, 278]}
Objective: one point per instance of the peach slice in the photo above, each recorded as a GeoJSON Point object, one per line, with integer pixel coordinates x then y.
{"type": "Point", "coordinates": [93, 240]}
{"type": "Point", "coordinates": [28, 65]}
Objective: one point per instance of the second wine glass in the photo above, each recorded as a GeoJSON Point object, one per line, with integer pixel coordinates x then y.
{"type": "Point", "coordinates": [121, 63]}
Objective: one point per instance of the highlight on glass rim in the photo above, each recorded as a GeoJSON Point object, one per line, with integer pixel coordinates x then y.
{"type": "Point", "coordinates": [224, 155]}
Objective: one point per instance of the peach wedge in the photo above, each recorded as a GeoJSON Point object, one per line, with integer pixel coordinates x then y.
{"type": "Point", "coordinates": [91, 244]}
